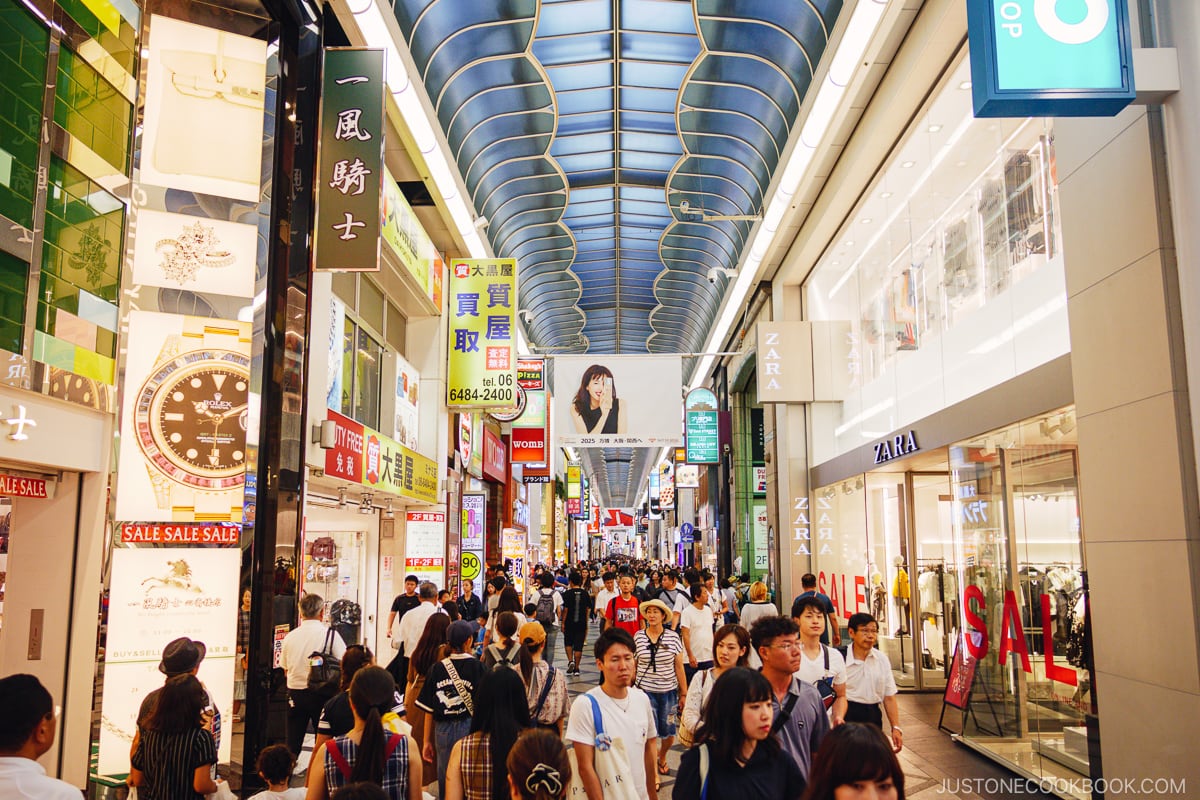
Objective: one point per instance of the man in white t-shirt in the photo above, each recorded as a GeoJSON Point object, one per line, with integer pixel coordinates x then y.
{"type": "Point", "coordinates": [625, 713]}
{"type": "Point", "coordinates": [820, 663]}
{"type": "Point", "coordinates": [605, 595]}
{"type": "Point", "coordinates": [30, 724]}
{"type": "Point", "coordinates": [696, 629]}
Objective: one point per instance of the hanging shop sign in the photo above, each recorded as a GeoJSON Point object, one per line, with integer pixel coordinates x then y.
{"type": "Point", "coordinates": [528, 445]}
{"type": "Point", "coordinates": [666, 485]}
{"type": "Point", "coordinates": [161, 594]}
{"type": "Point", "coordinates": [366, 456]}
{"type": "Point", "coordinates": [530, 431]}
{"type": "Point", "coordinates": [701, 428]}
{"type": "Point", "coordinates": [13, 486]}
{"type": "Point", "coordinates": [574, 491]}
{"type": "Point", "coordinates": [349, 187]}
{"type": "Point", "coordinates": [406, 237]}
{"type": "Point", "coordinates": [626, 401]}
{"type": "Point", "coordinates": [495, 465]}
{"type": "Point", "coordinates": [531, 373]}
{"type": "Point", "coordinates": [687, 476]}
{"type": "Point", "coordinates": [535, 473]}
{"type": "Point", "coordinates": [184, 418]}
{"type": "Point", "coordinates": [512, 548]}
{"type": "Point", "coordinates": [408, 382]}
{"type": "Point", "coordinates": [464, 440]}
{"type": "Point", "coordinates": [425, 545]}
{"type": "Point", "coordinates": [181, 534]}
{"type": "Point", "coordinates": [1028, 60]}
{"type": "Point", "coordinates": [900, 445]}
{"type": "Point", "coordinates": [760, 480]}
{"type": "Point", "coordinates": [474, 532]}
{"type": "Point", "coordinates": [784, 369]}
{"type": "Point", "coordinates": [482, 370]}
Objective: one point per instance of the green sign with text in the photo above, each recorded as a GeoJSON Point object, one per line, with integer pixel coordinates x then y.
{"type": "Point", "coordinates": [701, 429]}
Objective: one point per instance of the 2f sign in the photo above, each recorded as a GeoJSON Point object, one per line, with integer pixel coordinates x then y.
{"type": "Point", "coordinates": [1047, 17]}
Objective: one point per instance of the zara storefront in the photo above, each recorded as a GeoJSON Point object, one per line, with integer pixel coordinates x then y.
{"type": "Point", "coordinates": [945, 484]}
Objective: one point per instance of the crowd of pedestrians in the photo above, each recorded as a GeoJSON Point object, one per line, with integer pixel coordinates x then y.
{"type": "Point", "coordinates": [471, 706]}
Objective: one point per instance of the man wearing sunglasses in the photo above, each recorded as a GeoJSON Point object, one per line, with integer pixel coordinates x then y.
{"type": "Point", "coordinates": [30, 725]}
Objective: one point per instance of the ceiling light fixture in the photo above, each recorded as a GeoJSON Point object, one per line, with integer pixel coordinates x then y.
{"type": "Point", "coordinates": [934, 128]}
{"type": "Point", "coordinates": [908, 164]}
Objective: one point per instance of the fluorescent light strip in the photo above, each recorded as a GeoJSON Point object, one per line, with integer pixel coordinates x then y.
{"type": "Point", "coordinates": [377, 32]}
{"type": "Point", "coordinates": [864, 22]}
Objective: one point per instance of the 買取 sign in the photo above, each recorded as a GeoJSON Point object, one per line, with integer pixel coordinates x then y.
{"type": "Point", "coordinates": [1050, 58]}
{"type": "Point", "coordinates": [482, 372]}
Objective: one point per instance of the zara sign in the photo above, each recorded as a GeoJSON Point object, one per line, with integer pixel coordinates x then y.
{"type": "Point", "coordinates": [900, 445]}
{"type": "Point", "coordinates": [1050, 57]}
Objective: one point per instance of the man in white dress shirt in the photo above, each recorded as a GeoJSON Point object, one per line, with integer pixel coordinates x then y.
{"type": "Point", "coordinates": [409, 629]}
{"type": "Point", "coordinates": [869, 679]}
{"type": "Point", "coordinates": [304, 704]}
{"type": "Point", "coordinates": [30, 724]}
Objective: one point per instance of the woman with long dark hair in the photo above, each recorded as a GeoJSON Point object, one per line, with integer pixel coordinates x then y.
{"type": "Point", "coordinates": [368, 752]}
{"type": "Point", "coordinates": [506, 648]}
{"type": "Point", "coordinates": [430, 649]}
{"type": "Point", "coordinates": [595, 408]}
{"type": "Point", "coordinates": [478, 764]}
{"type": "Point", "coordinates": [174, 754]}
{"type": "Point", "coordinates": [337, 718]}
{"type": "Point", "coordinates": [736, 738]}
{"type": "Point", "coordinates": [853, 759]}
{"type": "Point", "coordinates": [731, 648]}
{"type": "Point", "coordinates": [510, 601]}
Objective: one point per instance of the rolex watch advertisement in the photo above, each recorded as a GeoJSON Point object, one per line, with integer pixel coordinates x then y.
{"type": "Point", "coordinates": [184, 418]}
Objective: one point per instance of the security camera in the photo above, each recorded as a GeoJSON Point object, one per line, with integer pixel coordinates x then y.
{"type": "Point", "coordinates": [685, 207]}
{"type": "Point", "coordinates": [715, 271]}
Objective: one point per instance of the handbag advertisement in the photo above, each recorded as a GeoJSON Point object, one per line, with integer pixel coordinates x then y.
{"type": "Point", "coordinates": [205, 96]}
{"type": "Point", "coordinates": [158, 596]}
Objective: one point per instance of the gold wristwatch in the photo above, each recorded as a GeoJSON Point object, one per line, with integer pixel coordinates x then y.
{"type": "Point", "coordinates": [190, 419]}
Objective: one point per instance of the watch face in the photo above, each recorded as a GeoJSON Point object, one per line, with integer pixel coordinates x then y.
{"type": "Point", "coordinates": [191, 419]}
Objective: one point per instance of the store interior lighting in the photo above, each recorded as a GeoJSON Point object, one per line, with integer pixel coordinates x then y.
{"type": "Point", "coordinates": [341, 497]}
{"type": "Point", "coordinates": [366, 505]}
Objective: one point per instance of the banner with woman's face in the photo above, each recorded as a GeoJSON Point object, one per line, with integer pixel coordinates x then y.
{"type": "Point", "coordinates": [618, 401]}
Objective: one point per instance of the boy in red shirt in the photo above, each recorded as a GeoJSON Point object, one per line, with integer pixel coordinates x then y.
{"type": "Point", "coordinates": [623, 611]}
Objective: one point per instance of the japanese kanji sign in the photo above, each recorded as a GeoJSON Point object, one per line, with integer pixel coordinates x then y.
{"type": "Point", "coordinates": [349, 186]}
{"type": "Point", "coordinates": [483, 353]}
{"type": "Point", "coordinates": [363, 455]}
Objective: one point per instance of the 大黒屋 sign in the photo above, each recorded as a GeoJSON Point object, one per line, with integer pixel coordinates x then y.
{"type": "Point", "coordinates": [350, 161]}
{"type": "Point", "coordinates": [482, 370]}
{"type": "Point", "coordinates": [366, 456]}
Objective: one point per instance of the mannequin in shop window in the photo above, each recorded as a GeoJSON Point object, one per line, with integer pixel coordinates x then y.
{"type": "Point", "coordinates": [901, 592]}
{"type": "Point", "coordinates": [878, 598]}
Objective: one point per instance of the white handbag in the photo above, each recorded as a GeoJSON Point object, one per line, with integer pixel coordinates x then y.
{"type": "Point", "coordinates": [611, 764]}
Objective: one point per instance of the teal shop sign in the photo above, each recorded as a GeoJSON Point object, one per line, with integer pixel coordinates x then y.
{"type": "Point", "coordinates": [701, 430]}
{"type": "Point", "coordinates": [1050, 58]}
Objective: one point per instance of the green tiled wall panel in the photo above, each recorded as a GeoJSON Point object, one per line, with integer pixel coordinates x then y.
{"type": "Point", "coordinates": [23, 45]}
{"type": "Point", "coordinates": [92, 110]}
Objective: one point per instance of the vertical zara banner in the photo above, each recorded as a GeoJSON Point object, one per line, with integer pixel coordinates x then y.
{"type": "Point", "coordinates": [350, 161]}
{"type": "Point", "coordinates": [482, 370]}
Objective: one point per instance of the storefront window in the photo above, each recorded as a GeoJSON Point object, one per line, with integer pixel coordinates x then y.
{"type": "Point", "coordinates": [1020, 555]}
{"type": "Point", "coordinates": [362, 361]}
{"type": "Point", "coordinates": [950, 267]}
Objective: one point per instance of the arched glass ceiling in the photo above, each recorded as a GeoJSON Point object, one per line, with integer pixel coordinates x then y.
{"type": "Point", "coordinates": [582, 126]}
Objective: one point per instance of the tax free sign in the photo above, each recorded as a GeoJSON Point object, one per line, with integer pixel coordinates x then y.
{"type": "Point", "coordinates": [1056, 58]}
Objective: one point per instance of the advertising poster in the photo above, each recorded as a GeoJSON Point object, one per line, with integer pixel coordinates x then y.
{"type": "Point", "coordinates": [183, 419]}
{"type": "Point", "coordinates": [349, 186]}
{"type": "Point", "coordinates": [474, 533]}
{"type": "Point", "coordinates": [512, 546]}
{"type": "Point", "coordinates": [180, 251]}
{"type": "Point", "coordinates": [629, 401]}
{"type": "Point", "coordinates": [335, 354]}
{"type": "Point", "coordinates": [687, 476]}
{"type": "Point", "coordinates": [530, 431]}
{"type": "Point", "coordinates": [574, 490]}
{"type": "Point", "coordinates": [482, 369]}
{"type": "Point", "coordinates": [159, 595]}
{"type": "Point", "coordinates": [701, 428]}
{"type": "Point", "coordinates": [407, 397]}
{"type": "Point", "coordinates": [425, 546]}
{"type": "Point", "coordinates": [666, 486]}
{"type": "Point", "coordinates": [761, 552]}
{"type": "Point", "coordinates": [205, 94]}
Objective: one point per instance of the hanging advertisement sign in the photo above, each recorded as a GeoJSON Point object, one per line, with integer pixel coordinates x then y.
{"type": "Point", "coordinates": [687, 476]}
{"type": "Point", "coordinates": [349, 186]}
{"type": "Point", "coordinates": [530, 431]}
{"type": "Point", "coordinates": [159, 595]}
{"type": "Point", "coordinates": [408, 381]}
{"type": "Point", "coordinates": [334, 390]}
{"type": "Point", "coordinates": [483, 355]}
{"type": "Point", "coordinates": [512, 548]}
{"type": "Point", "coordinates": [531, 374]}
{"type": "Point", "coordinates": [760, 480]}
{"type": "Point", "coordinates": [495, 465]}
{"type": "Point", "coordinates": [762, 561]}
{"type": "Point", "coordinates": [585, 496]}
{"type": "Point", "coordinates": [666, 486]}
{"type": "Point", "coordinates": [425, 546]}
{"type": "Point", "coordinates": [574, 491]}
{"type": "Point", "coordinates": [12, 486]}
{"type": "Point", "coordinates": [528, 445]}
{"type": "Point", "coordinates": [465, 434]}
{"type": "Point", "coordinates": [784, 362]}
{"type": "Point", "coordinates": [1027, 60]}
{"type": "Point", "coordinates": [226, 535]}
{"type": "Point", "coordinates": [203, 120]}
{"type": "Point", "coordinates": [701, 428]}
{"type": "Point", "coordinates": [182, 454]}
{"type": "Point", "coordinates": [474, 532]}
{"type": "Point", "coordinates": [365, 456]}
{"type": "Point", "coordinates": [475, 465]}
{"type": "Point", "coordinates": [406, 237]}
{"type": "Point", "coordinates": [652, 496]}
{"type": "Point", "coordinates": [181, 251]}
{"type": "Point", "coordinates": [628, 401]}
{"type": "Point", "coordinates": [535, 473]}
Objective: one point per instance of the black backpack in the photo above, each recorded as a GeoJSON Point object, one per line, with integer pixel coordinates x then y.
{"type": "Point", "coordinates": [545, 607]}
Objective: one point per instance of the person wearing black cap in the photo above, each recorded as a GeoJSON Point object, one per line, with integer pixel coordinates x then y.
{"type": "Point", "coordinates": [181, 656]}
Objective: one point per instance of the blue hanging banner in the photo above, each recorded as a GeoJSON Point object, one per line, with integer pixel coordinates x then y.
{"type": "Point", "coordinates": [1050, 58]}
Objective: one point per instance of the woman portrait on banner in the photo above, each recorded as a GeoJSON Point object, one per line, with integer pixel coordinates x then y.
{"type": "Point", "coordinates": [596, 408]}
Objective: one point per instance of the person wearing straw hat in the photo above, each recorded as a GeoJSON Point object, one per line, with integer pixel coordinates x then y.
{"type": "Point", "coordinates": [659, 653]}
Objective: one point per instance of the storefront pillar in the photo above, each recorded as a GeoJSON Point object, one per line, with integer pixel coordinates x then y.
{"type": "Point", "coordinates": [785, 436]}
{"type": "Point", "coordinates": [1135, 442]}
